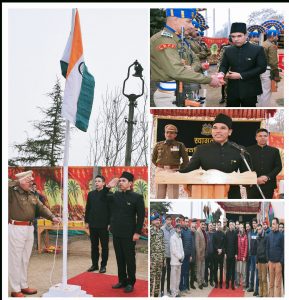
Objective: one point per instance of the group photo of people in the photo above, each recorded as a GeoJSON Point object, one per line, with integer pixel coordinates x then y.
{"type": "Point", "coordinates": [217, 57]}
{"type": "Point", "coordinates": [217, 249]}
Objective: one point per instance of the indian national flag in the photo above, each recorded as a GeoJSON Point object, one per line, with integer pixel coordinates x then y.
{"type": "Point", "coordinates": [79, 86]}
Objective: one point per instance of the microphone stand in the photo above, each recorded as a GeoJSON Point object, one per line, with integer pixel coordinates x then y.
{"type": "Point", "coordinates": [242, 153]}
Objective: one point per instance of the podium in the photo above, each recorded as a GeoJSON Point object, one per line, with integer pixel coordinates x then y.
{"type": "Point", "coordinates": [210, 184]}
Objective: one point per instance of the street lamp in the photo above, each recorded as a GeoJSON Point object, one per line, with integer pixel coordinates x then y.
{"type": "Point", "coordinates": [132, 104]}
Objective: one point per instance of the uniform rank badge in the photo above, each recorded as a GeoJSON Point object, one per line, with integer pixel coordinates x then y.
{"type": "Point", "coordinates": [233, 162]}
{"type": "Point", "coordinates": [175, 148]}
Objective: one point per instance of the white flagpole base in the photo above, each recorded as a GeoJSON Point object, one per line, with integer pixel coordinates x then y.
{"type": "Point", "coordinates": [70, 290]}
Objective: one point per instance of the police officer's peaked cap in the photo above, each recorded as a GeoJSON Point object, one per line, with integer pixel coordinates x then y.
{"type": "Point", "coordinates": [171, 127]}
{"type": "Point", "coordinates": [222, 118]}
{"type": "Point", "coordinates": [238, 27]}
{"type": "Point", "coordinates": [188, 13]}
{"type": "Point", "coordinates": [127, 175]}
{"type": "Point", "coordinates": [24, 174]}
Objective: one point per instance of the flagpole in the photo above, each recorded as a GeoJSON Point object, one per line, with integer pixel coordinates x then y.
{"type": "Point", "coordinates": [65, 204]}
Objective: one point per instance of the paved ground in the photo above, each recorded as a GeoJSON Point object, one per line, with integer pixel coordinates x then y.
{"type": "Point", "coordinates": [214, 94]}
{"type": "Point", "coordinates": [78, 262]}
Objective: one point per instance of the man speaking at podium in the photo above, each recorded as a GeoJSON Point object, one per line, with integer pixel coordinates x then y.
{"type": "Point", "coordinates": [220, 155]}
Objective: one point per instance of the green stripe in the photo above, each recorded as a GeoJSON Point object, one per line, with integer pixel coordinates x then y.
{"type": "Point", "coordinates": [64, 67]}
{"type": "Point", "coordinates": [85, 100]}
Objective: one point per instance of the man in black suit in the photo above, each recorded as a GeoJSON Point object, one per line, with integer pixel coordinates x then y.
{"type": "Point", "coordinates": [97, 216]}
{"type": "Point", "coordinates": [127, 217]}
{"type": "Point", "coordinates": [242, 64]}
{"type": "Point", "coordinates": [266, 163]}
{"type": "Point", "coordinates": [220, 154]}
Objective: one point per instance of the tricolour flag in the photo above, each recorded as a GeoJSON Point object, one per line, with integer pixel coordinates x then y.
{"type": "Point", "coordinates": [79, 86]}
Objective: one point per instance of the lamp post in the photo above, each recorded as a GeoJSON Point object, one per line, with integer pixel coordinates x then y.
{"type": "Point", "coordinates": [132, 104]}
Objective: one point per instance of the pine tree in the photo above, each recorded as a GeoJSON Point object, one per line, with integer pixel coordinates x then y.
{"type": "Point", "coordinates": [47, 147]}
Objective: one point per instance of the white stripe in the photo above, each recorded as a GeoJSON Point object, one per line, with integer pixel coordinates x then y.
{"type": "Point", "coordinates": [168, 85]}
{"type": "Point", "coordinates": [71, 93]}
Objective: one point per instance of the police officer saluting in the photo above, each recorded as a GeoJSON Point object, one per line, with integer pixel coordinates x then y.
{"type": "Point", "coordinates": [171, 57]}
{"type": "Point", "coordinates": [127, 217]}
{"type": "Point", "coordinates": [22, 207]}
{"type": "Point", "coordinates": [220, 154]}
{"type": "Point", "coordinates": [167, 155]}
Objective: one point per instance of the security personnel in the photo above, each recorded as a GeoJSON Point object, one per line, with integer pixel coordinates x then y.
{"type": "Point", "coordinates": [167, 155]}
{"type": "Point", "coordinates": [167, 67]}
{"type": "Point", "coordinates": [224, 87]}
{"type": "Point", "coordinates": [157, 254]}
{"type": "Point", "coordinates": [200, 47]}
{"type": "Point", "coordinates": [127, 217]}
{"type": "Point", "coordinates": [267, 163]}
{"type": "Point", "coordinates": [22, 207]}
{"type": "Point", "coordinates": [97, 219]}
{"type": "Point", "coordinates": [254, 37]}
{"type": "Point", "coordinates": [244, 63]}
{"type": "Point", "coordinates": [219, 154]}
{"type": "Point", "coordinates": [272, 71]}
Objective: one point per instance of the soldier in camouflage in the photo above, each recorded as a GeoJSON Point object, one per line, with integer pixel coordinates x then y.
{"type": "Point", "coordinates": [157, 254]}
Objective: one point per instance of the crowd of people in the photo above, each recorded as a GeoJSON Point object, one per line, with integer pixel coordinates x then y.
{"type": "Point", "coordinates": [246, 255]}
{"type": "Point", "coordinates": [179, 63]}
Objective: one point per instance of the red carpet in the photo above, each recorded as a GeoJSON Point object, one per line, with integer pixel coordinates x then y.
{"type": "Point", "coordinates": [227, 292]}
{"type": "Point", "coordinates": [99, 285]}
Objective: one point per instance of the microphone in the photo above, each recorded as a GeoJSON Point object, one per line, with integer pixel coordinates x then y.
{"type": "Point", "coordinates": [235, 145]}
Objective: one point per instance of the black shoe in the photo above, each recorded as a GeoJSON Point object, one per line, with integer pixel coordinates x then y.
{"type": "Point", "coordinates": [118, 285]}
{"type": "Point", "coordinates": [256, 294]}
{"type": "Point", "coordinates": [211, 283]}
{"type": "Point", "coordinates": [233, 287]}
{"type": "Point", "coordinates": [162, 294]}
{"type": "Point", "coordinates": [128, 288]}
{"type": "Point", "coordinates": [221, 286]}
{"type": "Point", "coordinates": [216, 285]}
{"type": "Point", "coordinates": [222, 101]}
{"type": "Point", "coordinates": [227, 285]}
{"type": "Point", "coordinates": [205, 284]}
{"type": "Point", "coordinates": [92, 268]}
{"type": "Point", "coordinates": [193, 287]}
{"type": "Point", "coordinates": [102, 270]}
{"type": "Point", "coordinates": [250, 290]}
{"type": "Point", "coordinates": [200, 286]}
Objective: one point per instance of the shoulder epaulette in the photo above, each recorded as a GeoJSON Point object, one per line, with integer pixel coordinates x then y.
{"type": "Point", "coordinates": [166, 34]}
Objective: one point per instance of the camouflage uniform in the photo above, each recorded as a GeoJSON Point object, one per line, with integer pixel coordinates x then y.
{"type": "Point", "coordinates": [167, 66]}
{"type": "Point", "coordinates": [157, 255]}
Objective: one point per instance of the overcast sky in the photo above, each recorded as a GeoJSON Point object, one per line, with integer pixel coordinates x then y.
{"type": "Point", "coordinates": [112, 39]}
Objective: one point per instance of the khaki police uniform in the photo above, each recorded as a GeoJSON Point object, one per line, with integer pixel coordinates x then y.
{"type": "Point", "coordinates": [167, 155]}
{"type": "Point", "coordinates": [167, 66]}
{"type": "Point", "coordinates": [21, 208]}
{"type": "Point", "coordinates": [271, 52]}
